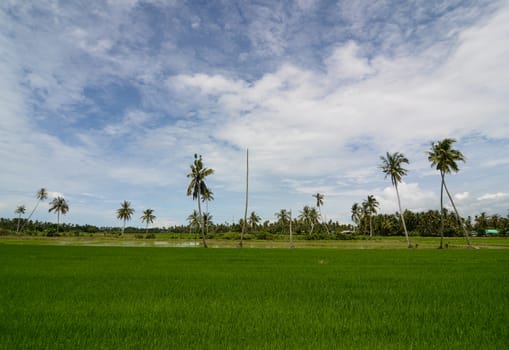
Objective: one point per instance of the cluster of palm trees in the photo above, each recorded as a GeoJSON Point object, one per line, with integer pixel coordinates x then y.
{"type": "Point", "coordinates": [442, 156]}
{"type": "Point", "coordinates": [58, 205]}
{"type": "Point", "coordinates": [125, 213]}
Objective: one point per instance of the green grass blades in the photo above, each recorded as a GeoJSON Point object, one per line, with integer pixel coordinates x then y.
{"type": "Point", "coordinates": [175, 298]}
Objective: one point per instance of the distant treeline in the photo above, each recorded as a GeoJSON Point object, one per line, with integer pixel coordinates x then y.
{"type": "Point", "coordinates": [418, 224]}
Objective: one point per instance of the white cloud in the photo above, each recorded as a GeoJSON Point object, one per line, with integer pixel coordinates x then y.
{"type": "Point", "coordinates": [491, 196]}
{"type": "Point", "coordinates": [413, 197]}
{"type": "Point", "coordinates": [346, 63]}
{"type": "Point", "coordinates": [462, 196]}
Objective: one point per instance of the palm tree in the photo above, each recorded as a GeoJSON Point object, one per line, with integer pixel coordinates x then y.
{"type": "Point", "coordinates": [253, 220]}
{"type": "Point", "coordinates": [319, 202]}
{"type": "Point", "coordinates": [207, 220]}
{"type": "Point", "coordinates": [19, 210]}
{"type": "Point", "coordinates": [125, 212]}
{"type": "Point", "coordinates": [60, 206]}
{"type": "Point", "coordinates": [41, 196]}
{"type": "Point", "coordinates": [197, 187]}
{"type": "Point", "coordinates": [356, 214]}
{"type": "Point", "coordinates": [444, 158]}
{"type": "Point", "coordinates": [392, 165]}
{"type": "Point", "coordinates": [194, 220]}
{"type": "Point", "coordinates": [283, 217]}
{"type": "Point", "coordinates": [310, 216]}
{"type": "Point", "coordinates": [148, 217]}
{"type": "Point", "coordinates": [370, 206]}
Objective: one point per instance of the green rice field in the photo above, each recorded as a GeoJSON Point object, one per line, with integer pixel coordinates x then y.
{"type": "Point", "coordinates": [91, 297]}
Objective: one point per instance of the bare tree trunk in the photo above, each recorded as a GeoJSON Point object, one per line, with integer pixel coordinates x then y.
{"type": "Point", "coordinates": [409, 245]}
{"type": "Point", "coordinates": [291, 234]}
{"type": "Point", "coordinates": [247, 197]}
{"type": "Point", "coordinates": [323, 220]}
{"type": "Point", "coordinates": [458, 217]}
{"type": "Point", "coordinates": [442, 219]}
{"type": "Point", "coordinates": [17, 228]}
{"type": "Point", "coordinates": [370, 227]}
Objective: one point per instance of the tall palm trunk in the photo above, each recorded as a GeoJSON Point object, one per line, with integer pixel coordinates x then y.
{"type": "Point", "coordinates": [291, 233]}
{"type": "Point", "coordinates": [58, 221]}
{"type": "Point", "coordinates": [465, 233]}
{"type": "Point", "coordinates": [323, 220]}
{"type": "Point", "coordinates": [370, 227]}
{"type": "Point", "coordinates": [202, 225]}
{"type": "Point", "coordinates": [409, 245]}
{"type": "Point", "coordinates": [19, 220]}
{"type": "Point", "coordinates": [442, 218]}
{"type": "Point", "coordinates": [123, 228]}
{"type": "Point", "coordinates": [29, 216]}
{"type": "Point", "coordinates": [247, 198]}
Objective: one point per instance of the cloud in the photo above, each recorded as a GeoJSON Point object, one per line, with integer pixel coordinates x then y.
{"type": "Point", "coordinates": [492, 196]}
{"type": "Point", "coordinates": [316, 107]}
{"type": "Point", "coordinates": [462, 196]}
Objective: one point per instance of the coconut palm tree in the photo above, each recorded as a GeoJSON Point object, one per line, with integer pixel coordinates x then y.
{"type": "Point", "coordinates": [310, 216]}
{"type": "Point", "coordinates": [125, 212]}
{"type": "Point", "coordinates": [370, 206]}
{"type": "Point", "coordinates": [41, 196]}
{"type": "Point", "coordinates": [319, 202]}
{"type": "Point", "coordinates": [253, 220]}
{"type": "Point", "coordinates": [392, 165]}
{"type": "Point", "coordinates": [19, 210]}
{"type": "Point", "coordinates": [197, 187]}
{"type": "Point", "coordinates": [207, 220]}
{"type": "Point", "coordinates": [356, 214]}
{"type": "Point", "coordinates": [283, 217]}
{"type": "Point", "coordinates": [444, 158]}
{"type": "Point", "coordinates": [60, 206]}
{"type": "Point", "coordinates": [148, 217]}
{"type": "Point", "coordinates": [194, 220]}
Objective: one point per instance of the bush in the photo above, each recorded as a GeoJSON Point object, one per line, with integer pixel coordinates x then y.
{"type": "Point", "coordinates": [150, 236]}
{"type": "Point", "coordinates": [138, 236]}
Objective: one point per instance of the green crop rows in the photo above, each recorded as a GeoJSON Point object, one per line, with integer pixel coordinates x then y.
{"type": "Point", "coordinates": [176, 298]}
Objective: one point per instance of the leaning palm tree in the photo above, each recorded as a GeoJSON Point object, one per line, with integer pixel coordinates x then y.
{"type": "Point", "coordinates": [356, 214]}
{"type": "Point", "coordinates": [20, 210]}
{"type": "Point", "coordinates": [197, 187]}
{"type": "Point", "coordinates": [392, 165]}
{"type": "Point", "coordinates": [60, 206]}
{"type": "Point", "coordinates": [148, 217]}
{"type": "Point", "coordinates": [370, 206]}
{"type": "Point", "coordinates": [444, 158]}
{"type": "Point", "coordinates": [41, 196]}
{"type": "Point", "coordinates": [125, 212]}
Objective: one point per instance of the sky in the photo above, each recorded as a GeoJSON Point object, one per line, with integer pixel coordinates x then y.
{"type": "Point", "coordinates": [103, 101]}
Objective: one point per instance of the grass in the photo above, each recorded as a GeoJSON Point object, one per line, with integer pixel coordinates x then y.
{"type": "Point", "coordinates": [163, 240]}
{"type": "Point", "coordinates": [75, 297]}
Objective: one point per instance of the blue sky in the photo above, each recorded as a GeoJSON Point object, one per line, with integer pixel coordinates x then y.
{"type": "Point", "coordinates": [105, 101]}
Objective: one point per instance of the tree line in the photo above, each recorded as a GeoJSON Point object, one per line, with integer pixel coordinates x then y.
{"type": "Point", "coordinates": [309, 221]}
